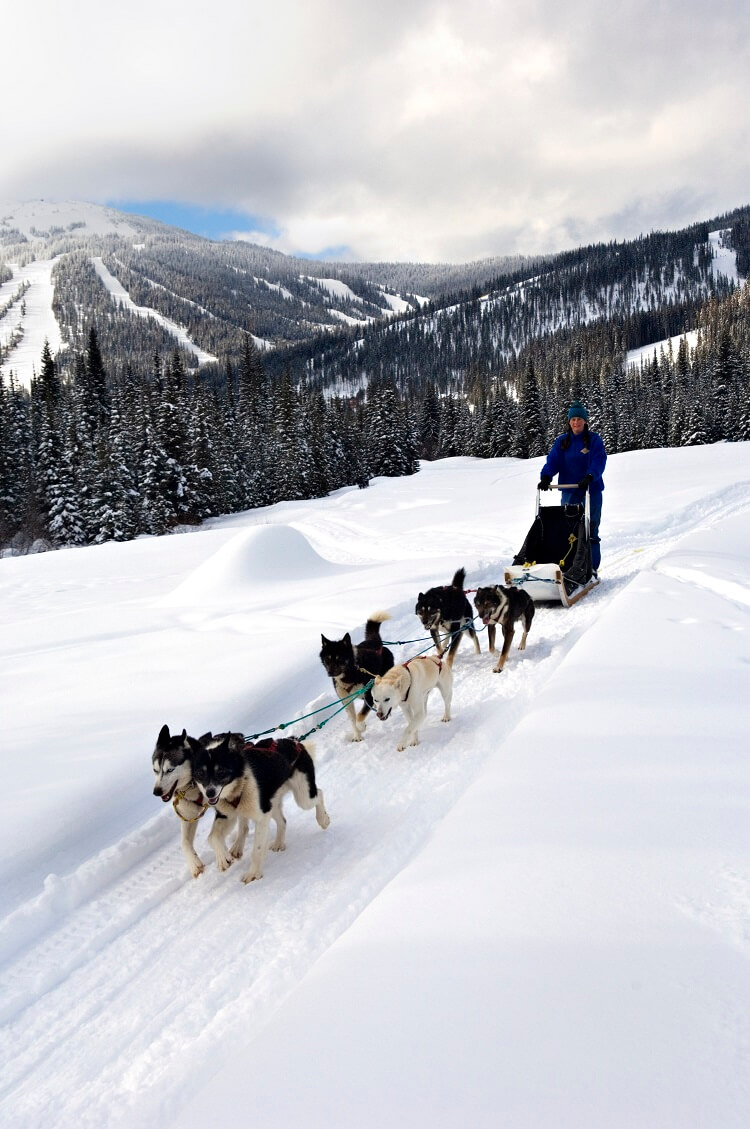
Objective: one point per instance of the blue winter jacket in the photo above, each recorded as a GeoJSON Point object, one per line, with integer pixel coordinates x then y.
{"type": "Point", "coordinates": [585, 455]}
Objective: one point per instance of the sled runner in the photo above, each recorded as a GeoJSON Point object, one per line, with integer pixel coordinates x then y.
{"type": "Point", "coordinates": [554, 562]}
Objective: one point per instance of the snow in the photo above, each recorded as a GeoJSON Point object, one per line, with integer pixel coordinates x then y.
{"type": "Point", "coordinates": [348, 319]}
{"type": "Point", "coordinates": [647, 353]}
{"type": "Point", "coordinates": [31, 316]}
{"type": "Point", "coordinates": [538, 917]}
{"type": "Point", "coordinates": [35, 218]}
{"type": "Point", "coordinates": [396, 302]}
{"type": "Point", "coordinates": [121, 297]}
{"type": "Point", "coordinates": [334, 287]}
{"type": "Point", "coordinates": [724, 258]}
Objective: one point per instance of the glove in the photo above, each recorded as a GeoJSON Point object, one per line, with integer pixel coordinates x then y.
{"type": "Point", "coordinates": [544, 482]}
{"type": "Point", "coordinates": [585, 482]}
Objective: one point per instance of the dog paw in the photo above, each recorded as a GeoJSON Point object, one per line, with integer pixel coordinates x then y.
{"type": "Point", "coordinates": [278, 846]}
{"type": "Point", "coordinates": [324, 820]}
{"type": "Point", "coordinates": [251, 876]}
{"type": "Point", "coordinates": [224, 862]}
{"type": "Point", "coordinates": [356, 737]}
{"type": "Point", "coordinates": [400, 748]}
{"type": "Point", "coordinates": [445, 718]}
{"type": "Point", "coordinates": [197, 868]}
{"type": "Point", "coordinates": [237, 851]}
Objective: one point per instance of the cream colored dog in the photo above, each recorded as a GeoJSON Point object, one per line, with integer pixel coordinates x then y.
{"type": "Point", "coordinates": [409, 686]}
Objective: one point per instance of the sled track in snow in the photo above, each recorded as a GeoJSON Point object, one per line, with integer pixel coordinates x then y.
{"type": "Point", "coordinates": [148, 968]}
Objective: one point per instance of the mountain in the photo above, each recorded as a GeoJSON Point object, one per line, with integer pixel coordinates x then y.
{"type": "Point", "coordinates": [149, 288]}
{"type": "Point", "coordinates": [636, 293]}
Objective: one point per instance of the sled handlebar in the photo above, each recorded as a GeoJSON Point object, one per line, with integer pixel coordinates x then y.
{"type": "Point", "coordinates": [560, 486]}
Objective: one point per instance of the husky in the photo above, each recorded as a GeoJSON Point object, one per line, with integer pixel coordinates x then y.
{"type": "Point", "coordinates": [172, 762]}
{"type": "Point", "coordinates": [446, 609]}
{"type": "Point", "coordinates": [504, 606]}
{"type": "Point", "coordinates": [249, 784]}
{"type": "Point", "coordinates": [352, 667]}
{"type": "Point", "coordinates": [409, 686]}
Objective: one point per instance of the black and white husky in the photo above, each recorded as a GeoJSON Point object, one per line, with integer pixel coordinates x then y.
{"type": "Point", "coordinates": [498, 605]}
{"type": "Point", "coordinates": [248, 785]}
{"type": "Point", "coordinates": [172, 762]}
{"type": "Point", "coordinates": [445, 608]}
{"type": "Point", "coordinates": [352, 667]}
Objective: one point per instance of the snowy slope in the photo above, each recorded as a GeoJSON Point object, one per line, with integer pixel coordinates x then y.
{"type": "Point", "coordinates": [121, 297]}
{"type": "Point", "coordinates": [27, 319]}
{"type": "Point", "coordinates": [38, 219]}
{"type": "Point", "coordinates": [499, 927]}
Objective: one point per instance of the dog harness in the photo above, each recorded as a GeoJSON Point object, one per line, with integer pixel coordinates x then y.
{"type": "Point", "coordinates": [437, 659]}
{"type": "Point", "coordinates": [186, 818]}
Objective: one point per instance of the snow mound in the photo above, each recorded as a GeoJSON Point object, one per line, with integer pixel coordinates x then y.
{"type": "Point", "coordinates": [259, 554]}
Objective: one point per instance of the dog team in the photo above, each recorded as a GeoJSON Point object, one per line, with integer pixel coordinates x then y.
{"type": "Point", "coordinates": [245, 782]}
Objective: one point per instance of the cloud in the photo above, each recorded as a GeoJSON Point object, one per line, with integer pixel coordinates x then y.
{"type": "Point", "coordinates": [427, 130]}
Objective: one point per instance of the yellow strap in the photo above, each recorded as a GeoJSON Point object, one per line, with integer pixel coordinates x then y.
{"type": "Point", "coordinates": [571, 541]}
{"type": "Point", "coordinates": [185, 819]}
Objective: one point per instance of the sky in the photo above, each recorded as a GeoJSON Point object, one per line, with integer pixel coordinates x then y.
{"type": "Point", "coordinates": [433, 131]}
{"type": "Point", "coordinates": [538, 916]}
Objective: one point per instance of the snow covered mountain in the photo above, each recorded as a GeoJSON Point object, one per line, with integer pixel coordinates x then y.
{"type": "Point", "coordinates": [643, 291]}
{"type": "Point", "coordinates": [150, 288]}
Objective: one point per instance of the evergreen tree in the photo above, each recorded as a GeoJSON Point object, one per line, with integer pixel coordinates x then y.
{"type": "Point", "coordinates": [428, 422]}
{"type": "Point", "coordinates": [531, 439]}
{"type": "Point", "coordinates": [96, 382]}
{"type": "Point", "coordinates": [290, 448]}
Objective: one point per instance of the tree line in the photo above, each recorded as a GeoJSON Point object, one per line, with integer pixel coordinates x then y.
{"type": "Point", "coordinates": [92, 457]}
{"type": "Point", "coordinates": [96, 451]}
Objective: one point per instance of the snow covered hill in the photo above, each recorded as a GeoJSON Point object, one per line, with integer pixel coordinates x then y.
{"type": "Point", "coordinates": [150, 288]}
{"type": "Point", "coordinates": [70, 264]}
{"type": "Point", "coordinates": [537, 917]}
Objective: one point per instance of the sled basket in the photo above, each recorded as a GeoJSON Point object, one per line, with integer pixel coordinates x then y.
{"type": "Point", "coordinates": [554, 562]}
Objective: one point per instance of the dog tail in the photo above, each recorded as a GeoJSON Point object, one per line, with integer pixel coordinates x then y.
{"type": "Point", "coordinates": [459, 579]}
{"type": "Point", "coordinates": [372, 627]}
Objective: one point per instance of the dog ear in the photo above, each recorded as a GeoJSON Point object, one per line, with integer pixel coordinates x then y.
{"type": "Point", "coordinates": [164, 739]}
{"type": "Point", "coordinates": [195, 746]}
{"type": "Point", "coordinates": [323, 640]}
{"type": "Point", "coordinates": [347, 639]}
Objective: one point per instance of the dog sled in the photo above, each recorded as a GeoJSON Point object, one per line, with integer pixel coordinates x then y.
{"type": "Point", "coordinates": [554, 562]}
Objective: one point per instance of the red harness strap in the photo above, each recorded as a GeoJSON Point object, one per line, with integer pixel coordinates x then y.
{"type": "Point", "coordinates": [268, 747]}
{"type": "Point", "coordinates": [435, 658]}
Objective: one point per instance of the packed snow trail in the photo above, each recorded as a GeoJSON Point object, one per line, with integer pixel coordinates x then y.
{"type": "Point", "coordinates": [120, 978]}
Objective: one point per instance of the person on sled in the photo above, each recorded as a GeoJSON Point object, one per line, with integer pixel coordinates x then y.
{"type": "Point", "coordinates": [578, 456]}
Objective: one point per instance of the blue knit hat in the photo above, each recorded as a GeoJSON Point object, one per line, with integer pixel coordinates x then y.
{"type": "Point", "coordinates": [577, 409]}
